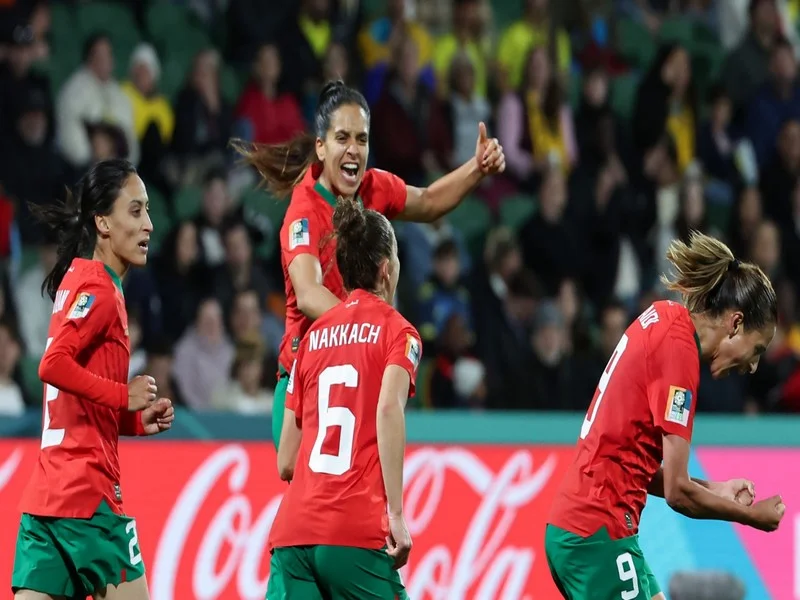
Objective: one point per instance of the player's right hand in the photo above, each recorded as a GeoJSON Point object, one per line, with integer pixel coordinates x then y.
{"type": "Point", "coordinates": [141, 392]}
{"type": "Point", "coordinates": [768, 513]}
{"type": "Point", "coordinates": [399, 541]}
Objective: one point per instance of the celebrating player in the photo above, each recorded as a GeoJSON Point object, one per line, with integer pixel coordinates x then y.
{"type": "Point", "coordinates": [343, 440]}
{"type": "Point", "coordinates": [643, 412]}
{"type": "Point", "coordinates": [316, 170]}
{"type": "Point", "coordinates": [74, 538]}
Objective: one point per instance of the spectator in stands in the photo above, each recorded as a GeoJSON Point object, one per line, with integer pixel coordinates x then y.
{"type": "Point", "coordinates": [240, 271]}
{"type": "Point", "coordinates": [665, 103]}
{"type": "Point", "coordinates": [458, 379]}
{"type": "Point", "coordinates": [159, 366]}
{"type": "Point", "coordinates": [264, 110]}
{"type": "Point", "coordinates": [791, 240]}
{"type": "Point", "coordinates": [532, 31]}
{"type": "Point", "coordinates": [716, 143]}
{"type": "Point", "coordinates": [775, 102]}
{"type": "Point", "coordinates": [203, 356]}
{"type": "Point", "coordinates": [138, 360]}
{"type": "Point", "coordinates": [381, 42]}
{"type": "Point", "coordinates": [17, 81]}
{"type": "Point", "coordinates": [34, 320]}
{"type": "Point", "coordinates": [252, 23]}
{"type": "Point", "coordinates": [747, 67]}
{"type": "Point", "coordinates": [11, 400]}
{"type": "Point", "coordinates": [595, 104]}
{"type": "Point", "coordinates": [419, 240]}
{"type": "Point", "coordinates": [535, 125]}
{"type": "Point", "coordinates": [502, 260]}
{"type": "Point", "coordinates": [337, 64]}
{"type": "Point", "coordinates": [248, 320]}
{"type": "Point", "coordinates": [203, 119]}
{"type": "Point", "coordinates": [443, 294]}
{"type": "Point", "coordinates": [153, 118]}
{"type": "Point", "coordinates": [409, 131]}
{"type": "Point", "coordinates": [590, 363]}
{"type": "Point", "coordinates": [765, 249]}
{"type": "Point", "coordinates": [777, 181]}
{"type": "Point", "coordinates": [217, 205]}
{"type": "Point", "coordinates": [305, 40]}
{"type": "Point", "coordinates": [503, 343]}
{"type": "Point", "coordinates": [549, 383]}
{"type": "Point", "coordinates": [180, 278]}
{"type": "Point", "coordinates": [89, 97]}
{"type": "Point", "coordinates": [550, 244]}
{"type": "Point", "coordinates": [30, 168]}
{"type": "Point", "coordinates": [746, 215]}
{"type": "Point", "coordinates": [468, 40]}
{"type": "Point", "coordinates": [465, 108]}
{"type": "Point", "coordinates": [244, 392]}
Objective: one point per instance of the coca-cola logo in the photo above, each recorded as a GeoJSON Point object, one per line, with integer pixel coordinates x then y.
{"type": "Point", "coordinates": [229, 548]}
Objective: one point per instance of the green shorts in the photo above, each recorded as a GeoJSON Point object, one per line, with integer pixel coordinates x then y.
{"type": "Point", "coordinates": [597, 567]}
{"type": "Point", "coordinates": [278, 404]}
{"type": "Point", "coordinates": [335, 572]}
{"type": "Point", "coordinates": [76, 557]}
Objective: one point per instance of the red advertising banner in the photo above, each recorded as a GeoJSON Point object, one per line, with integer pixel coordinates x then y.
{"type": "Point", "coordinates": [204, 510]}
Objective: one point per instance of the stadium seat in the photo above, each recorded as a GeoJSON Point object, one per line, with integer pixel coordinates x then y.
{"type": "Point", "coordinates": [515, 211]}
{"type": "Point", "coordinates": [263, 203]}
{"type": "Point", "coordinates": [623, 95]}
{"type": "Point", "coordinates": [473, 218]}
{"type": "Point", "coordinates": [162, 225]}
{"type": "Point", "coordinates": [29, 372]}
{"type": "Point", "coordinates": [635, 43]}
{"type": "Point", "coordinates": [184, 44]}
{"type": "Point", "coordinates": [163, 19]}
{"type": "Point", "coordinates": [679, 31]}
{"type": "Point", "coordinates": [29, 258]}
{"type": "Point", "coordinates": [230, 84]}
{"type": "Point", "coordinates": [187, 203]}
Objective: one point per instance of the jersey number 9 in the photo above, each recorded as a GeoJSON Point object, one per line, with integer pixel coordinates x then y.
{"type": "Point", "coordinates": [334, 416]}
{"type": "Point", "coordinates": [601, 387]}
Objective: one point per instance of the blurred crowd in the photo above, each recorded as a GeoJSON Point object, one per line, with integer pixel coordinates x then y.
{"type": "Point", "coordinates": [626, 124]}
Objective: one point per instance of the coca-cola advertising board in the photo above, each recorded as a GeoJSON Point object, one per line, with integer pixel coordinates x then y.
{"type": "Point", "coordinates": [204, 510]}
{"type": "Point", "coordinates": [476, 513]}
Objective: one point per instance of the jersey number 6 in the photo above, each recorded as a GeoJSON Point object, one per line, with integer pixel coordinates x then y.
{"type": "Point", "coordinates": [334, 416]}
{"type": "Point", "coordinates": [601, 387]}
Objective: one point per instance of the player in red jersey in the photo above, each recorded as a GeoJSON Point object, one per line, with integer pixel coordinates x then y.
{"type": "Point", "coordinates": [642, 414]}
{"type": "Point", "coordinates": [318, 169]}
{"type": "Point", "coordinates": [74, 537]}
{"type": "Point", "coordinates": [340, 530]}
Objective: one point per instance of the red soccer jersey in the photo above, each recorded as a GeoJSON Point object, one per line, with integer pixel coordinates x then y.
{"type": "Point", "coordinates": [647, 390]}
{"type": "Point", "coordinates": [308, 229]}
{"type": "Point", "coordinates": [337, 496]}
{"type": "Point", "coordinates": [85, 371]}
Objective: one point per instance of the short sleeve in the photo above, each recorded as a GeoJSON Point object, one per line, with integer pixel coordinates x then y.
{"type": "Point", "coordinates": [672, 392]}
{"type": "Point", "coordinates": [405, 351]}
{"type": "Point", "coordinates": [387, 193]}
{"type": "Point", "coordinates": [301, 232]}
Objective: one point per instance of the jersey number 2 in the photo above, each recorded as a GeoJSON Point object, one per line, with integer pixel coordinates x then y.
{"type": "Point", "coordinates": [601, 387]}
{"type": "Point", "coordinates": [50, 437]}
{"type": "Point", "coordinates": [334, 416]}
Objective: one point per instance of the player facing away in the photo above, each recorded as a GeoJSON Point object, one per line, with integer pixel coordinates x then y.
{"type": "Point", "coordinates": [642, 415]}
{"type": "Point", "coordinates": [74, 538]}
{"type": "Point", "coordinates": [340, 532]}
{"type": "Point", "coordinates": [316, 170]}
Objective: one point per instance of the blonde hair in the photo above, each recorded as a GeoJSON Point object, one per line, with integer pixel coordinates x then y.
{"type": "Point", "coordinates": [711, 280]}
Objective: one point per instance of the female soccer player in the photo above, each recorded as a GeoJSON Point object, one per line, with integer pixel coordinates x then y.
{"type": "Point", "coordinates": [318, 169]}
{"type": "Point", "coordinates": [643, 413]}
{"type": "Point", "coordinates": [74, 537]}
{"type": "Point", "coordinates": [343, 440]}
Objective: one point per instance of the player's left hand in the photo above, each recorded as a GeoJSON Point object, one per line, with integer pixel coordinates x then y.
{"type": "Point", "coordinates": [742, 491]}
{"type": "Point", "coordinates": [489, 153]}
{"type": "Point", "coordinates": [158, 416]}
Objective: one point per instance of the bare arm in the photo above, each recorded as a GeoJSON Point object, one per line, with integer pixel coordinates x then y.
{"type": "Point", "coordinates": [656, 487]}
{"type": "Point", "coordinates": [313, 298]}
{"type": "Point", "coordinates": [424, 205]}
{"type": "Point", "coordinates": [289, 445]}
{"type": "Point", "coordinates": [391, 425]}
{"type": "Point", "coordinates": [691, 498]}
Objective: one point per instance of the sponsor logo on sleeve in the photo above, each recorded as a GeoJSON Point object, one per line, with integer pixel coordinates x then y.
{"type": "Point", "coordinates": [298, 234]}
{"type": "Point", "coordinates": [82, 306]}
{"type": "Point", "coordinates": [679, 404]}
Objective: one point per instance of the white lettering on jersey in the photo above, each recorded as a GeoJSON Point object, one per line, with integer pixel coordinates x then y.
{"type": "Point", "coordinates": [343, 335]}
{"type": "Point", "coordinates": [648, 317]}
{"type": "Point", "coordinates": [60, 301]}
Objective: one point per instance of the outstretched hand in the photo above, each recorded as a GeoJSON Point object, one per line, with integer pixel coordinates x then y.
{"type": "Point", "coordinates": [742, 491]}
{"type": "Point", "coordinates": [489, 153]}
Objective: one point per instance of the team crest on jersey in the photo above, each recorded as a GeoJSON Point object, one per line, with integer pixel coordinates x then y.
{"type": "Point", "coordinates": [679, 406]}
{"type": "Point", "coordinates": [298, 234]}
{"type": "Point", "coordinates": [413, 350]}
{"type": "Point", "coordinates": [83, 303]}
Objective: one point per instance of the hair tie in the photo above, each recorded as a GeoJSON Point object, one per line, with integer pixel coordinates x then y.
{"type": "Point", "coordinates": [734, 264]}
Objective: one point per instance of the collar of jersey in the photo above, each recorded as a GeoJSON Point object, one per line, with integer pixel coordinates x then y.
{"type": "Point", "coordinates": [328, 196]}
{"type": "Point", "coordinates": [114, 277]}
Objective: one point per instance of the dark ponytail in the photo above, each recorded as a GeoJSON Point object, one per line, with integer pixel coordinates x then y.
{"type": "Point", "coordinates": [282, 166]}
{"type": "Point", "coordinates": [364, 240]}
{"type": "Point", "coordinates": [73, 220]}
